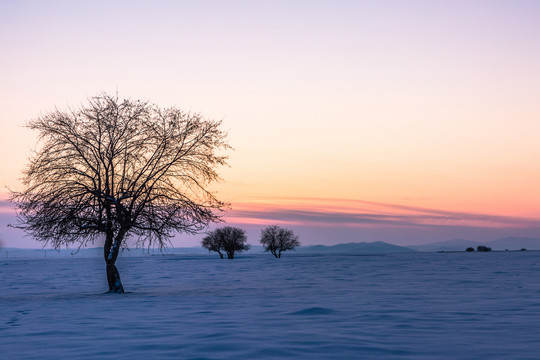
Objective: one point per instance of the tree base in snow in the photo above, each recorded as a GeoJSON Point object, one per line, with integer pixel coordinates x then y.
{"type": "Point", "coordinates": [113, 278]}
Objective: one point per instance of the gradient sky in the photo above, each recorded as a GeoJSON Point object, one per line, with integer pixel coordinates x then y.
{"type": "Point", "coordinates": [401, 121]}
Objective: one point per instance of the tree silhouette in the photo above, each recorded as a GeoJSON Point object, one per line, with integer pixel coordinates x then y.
{"type": "Point", "coordinates": [483, 248]}
{"type": "Point", "coordinates": [228, 239]}
{"type": "Point", "coordinates": [117, 169]}
{"type": "Point", "coordinates": [277, 239]}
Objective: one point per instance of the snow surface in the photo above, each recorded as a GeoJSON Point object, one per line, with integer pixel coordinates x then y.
{"type": "Point", "coordinates": [395, 306]}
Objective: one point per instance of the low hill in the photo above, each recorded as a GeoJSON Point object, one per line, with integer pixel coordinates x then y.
{"type": "Point", "coordinates": [356, 248]}
{"type": "Point", "coordinates": [349, 248]}
{"type": "Point", "coordinates": [448, 245]}
{"type": "Point", "coordinates": [507, 243]}
{"type": "Point", "coordinates": [515, 243]}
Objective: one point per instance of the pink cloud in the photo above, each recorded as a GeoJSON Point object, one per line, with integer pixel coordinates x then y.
{"type": "Point", "coordinates": [356, 213]}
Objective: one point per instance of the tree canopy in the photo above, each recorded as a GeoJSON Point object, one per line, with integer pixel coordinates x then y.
{"type": "Point", "coordinates": [277, 239]}
{"type": "Point", "coordinates": [228, 239]}
{"type": "Point", "coordinates": [113, 169]}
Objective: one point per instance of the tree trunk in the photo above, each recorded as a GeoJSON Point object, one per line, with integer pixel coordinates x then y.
{"type": "Point", "coordinates": [220, 255]}
{"type": "Point", "coordinates": [113, 278]}
{"type": "Point", "coordinates": [230, 255]}
{"type": "Point", "coordinates": [111, 251]}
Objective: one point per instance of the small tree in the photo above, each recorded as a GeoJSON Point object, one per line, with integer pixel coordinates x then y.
{"type": "Point", "coordinates": [277, 239]}
{"type": "Point", "coordinates": [114, 169]}
{"type": "Point", "coordinates": [469, 249]}
{"type": "Point", "coordinates": [483, 248]}
{"type": "Point", "coordinates": [228, 239]}
{"type": "Point", "coordinates": [212, 243]}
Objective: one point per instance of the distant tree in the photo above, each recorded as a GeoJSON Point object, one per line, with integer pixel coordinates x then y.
{"type": "Point", "coordinates": [227, 239]}
{"type": "Point", "coordinates": [483, 248]}
{"type": "Point", "coordinates": [523, 249]}
{"type": "Point", "coordinates": [469, 249]}
{"type": "Point", "coordinates": [212, 243]}
{"type": "Point", "coordinates": [114, 169]}
{"type": "Point", "coordinates": [277, 239]}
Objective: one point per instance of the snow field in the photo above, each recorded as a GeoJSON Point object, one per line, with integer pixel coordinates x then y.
{"type": "Point", "coordinates": [398, 306]}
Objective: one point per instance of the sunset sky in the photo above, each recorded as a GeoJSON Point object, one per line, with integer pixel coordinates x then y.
{"type": "Point", "coordinates": [400, 121]}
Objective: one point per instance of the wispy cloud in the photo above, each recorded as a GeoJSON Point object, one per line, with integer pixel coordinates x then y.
{"type": "Point", "coordinates": [358, 213]}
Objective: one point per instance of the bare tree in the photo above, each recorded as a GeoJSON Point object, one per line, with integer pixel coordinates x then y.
{"type": "Point", "coordinates": [277, 239]}
{"type": "Point", "coordinates": [212, 243]}
{"type": "Point", "coordinates": [228, 239]}
{"type": "Point", "coordinates": [114, 169]}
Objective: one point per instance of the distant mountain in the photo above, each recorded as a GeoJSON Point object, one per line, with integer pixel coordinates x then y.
{"type": "Point", "coordinates": [356, 248]}
{"type": "Point", "coordinates": [515, 243]}
{"type": "Point", "coordinates": [448, 245]}
{"type": "Point", "coordinates": [196, 250]}
{"type": "Point", "coordinates": [94, 252]}
{"type": "Point", "coordinates": [49, 253]}
{"type": "Point", "coordinates": [507, 243]}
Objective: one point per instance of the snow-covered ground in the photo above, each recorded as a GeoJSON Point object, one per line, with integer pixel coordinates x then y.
{"type": "Point", "coordinates": [398, 306]}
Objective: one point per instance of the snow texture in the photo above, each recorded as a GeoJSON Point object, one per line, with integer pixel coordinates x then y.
{"type": "Point", "coordinates": [395, 306]}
